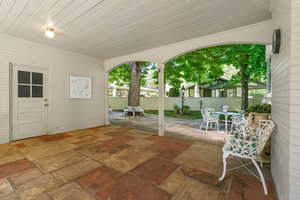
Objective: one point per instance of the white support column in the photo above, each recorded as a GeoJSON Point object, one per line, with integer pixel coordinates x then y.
{"type": "Point", "coordinates": [161, 115]}
{"type": "Point", "coordinates": [196, 90]}
{"type": "Point", "coordinates": [114, 91]}
{"type": "Point", "coordinates": [106, 105]}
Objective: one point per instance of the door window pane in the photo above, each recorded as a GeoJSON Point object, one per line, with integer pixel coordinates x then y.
{"type": "Point", "coordinates": [23, 91]}
{"type": "Point", "coordinates": [23, 77]}
{"type": "Point", "coordinates": [37, 78]}
{"type": "Point", "coordinates": [37, 91]}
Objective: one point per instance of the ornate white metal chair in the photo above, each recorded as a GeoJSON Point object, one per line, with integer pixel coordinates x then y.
{"type": "Point", "coordinates": [238, 120]}
{"type": "Point", "coordinates": [128, 109]}
{"type": "Point", "coordinates": [133, 110]}
{"type": "Point", "coordinates": [249, 143]}
{"type": "Point", "coordinates": [139, 110]}
{"type": "Point", "coordinates": [209, 118]}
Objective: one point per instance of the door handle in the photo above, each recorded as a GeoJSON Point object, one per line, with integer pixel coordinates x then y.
{"type": "Point", "coordinates": [46, 105]}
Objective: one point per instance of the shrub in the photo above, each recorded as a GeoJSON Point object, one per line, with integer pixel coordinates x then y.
{"type": "Point", "coordinates": [174, 92]}
{"type": "Point", "coordinates": [260, 108]}
{"type": "Point", "coordinates": [186, 107]}
{"type": "Point", "coordinates": [176, 108]}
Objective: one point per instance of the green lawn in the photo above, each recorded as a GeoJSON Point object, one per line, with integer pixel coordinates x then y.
{"type": "Point", "coordinates": [169, 113]}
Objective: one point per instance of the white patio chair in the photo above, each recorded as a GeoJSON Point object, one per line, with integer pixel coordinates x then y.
{"type": "Point", "coordinates": [209, 118]}
{"type": "Point", "coordinates": [238, 121]}
{"type": "Point", "coordinates": [248, 142]}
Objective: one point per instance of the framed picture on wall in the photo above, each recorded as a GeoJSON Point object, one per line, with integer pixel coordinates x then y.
{"type": "Point", "coordinates": [80, 87]}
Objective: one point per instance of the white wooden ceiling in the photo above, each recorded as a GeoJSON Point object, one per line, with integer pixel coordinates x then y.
{"type": "Point", "coordinates": [108, 28]}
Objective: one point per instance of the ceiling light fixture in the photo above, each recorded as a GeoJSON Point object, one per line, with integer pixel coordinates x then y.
{"type": "Point", "coordinates": [50, 32]}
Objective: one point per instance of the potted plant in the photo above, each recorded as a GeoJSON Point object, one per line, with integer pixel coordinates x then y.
{"type": "Point", "coordinates": [186, 108]}
{"type": "Point", "coordinates": [259, 112]}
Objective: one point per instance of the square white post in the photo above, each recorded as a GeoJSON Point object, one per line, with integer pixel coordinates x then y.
{"type": "Point", "coordinates": [161, 112]}
{"type": "Point", "coordinates": [106, 105]}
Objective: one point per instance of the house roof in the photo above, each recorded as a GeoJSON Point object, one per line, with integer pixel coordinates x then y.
{"type": "Point", "coordinates": [224, 84]}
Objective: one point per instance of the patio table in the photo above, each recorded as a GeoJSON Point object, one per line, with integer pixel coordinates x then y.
{"type": "Point", "coordinates": [226, 114]}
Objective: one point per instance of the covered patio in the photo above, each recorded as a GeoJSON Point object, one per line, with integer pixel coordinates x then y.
{"type": "Point", "coordinates": [56, 138]}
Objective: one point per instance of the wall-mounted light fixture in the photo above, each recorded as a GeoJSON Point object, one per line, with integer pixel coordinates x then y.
{"type": "Point", "coordinates": [276, 43]}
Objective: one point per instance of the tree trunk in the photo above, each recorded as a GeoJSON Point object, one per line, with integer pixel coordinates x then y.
{"type": "Point", "coordinates": [134, 88]}
{"type": "Point", "coordinates": [245, 88]}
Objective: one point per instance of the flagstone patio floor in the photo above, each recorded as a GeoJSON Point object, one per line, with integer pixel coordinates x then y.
{"type": "Point", "coordinates": [119, 163]}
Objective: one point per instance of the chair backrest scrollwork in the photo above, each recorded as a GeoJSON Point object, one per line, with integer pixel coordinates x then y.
{"type": "Point", "coordinates": [265, 130]}
{"type": "Point", "coordinates": [252, 139]}
{"type": "Point", "coordinates": [209, 114]}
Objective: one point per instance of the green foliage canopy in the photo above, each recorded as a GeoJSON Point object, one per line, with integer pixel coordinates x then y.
{"type": "Point", "coordinates": [251, 55]}
{"type": "Point", "coordinates": [121, 74]}
{"type": "Point", "coordinates": [203, 66]}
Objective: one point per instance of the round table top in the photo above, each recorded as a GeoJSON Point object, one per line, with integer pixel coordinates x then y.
{"type": "Point", "coordinates": [226, 113]}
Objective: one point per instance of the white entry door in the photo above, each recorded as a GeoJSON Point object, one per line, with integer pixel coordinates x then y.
{"type": "Point", "coordinates": [30, 102]}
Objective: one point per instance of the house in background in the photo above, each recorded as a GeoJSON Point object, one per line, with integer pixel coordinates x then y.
{"type": "Point", "coordinates": [221, 88]}
{"type": "Point", "coordinates": [122, 91]}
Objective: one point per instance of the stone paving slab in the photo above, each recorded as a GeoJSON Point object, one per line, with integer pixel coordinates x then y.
{"type": "Point", "coordinates": [100, 181]}
{"type": "Point", "coordinates": [25, 176]}
{"type": "Point", "coordinates": [35, 187]}
{"type": "Point", "coordinates": [76, 170]}
{"type": "Point", "coordinates": [71, 191]}
{"type": "Point", "coordinates": [11, 168]}
{"type": "Point", "coordinates": [48, 149]}
{"type": "Point", "coordinates": [5, 188]}
{"type": "Point", "coordinates": [57, 161]}
{"type": "Point", "coordinates": [128, 159]}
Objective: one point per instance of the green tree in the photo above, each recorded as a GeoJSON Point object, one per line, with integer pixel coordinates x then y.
{"type": "Point", "coordinates": [250, 60]}
{"type": "Point", "coordinates": [206, 65]}
{"type": "Point", "coordinates": [134, 75]}
{"type": "Point", "coordinates": [199, 67]}
{"type": "Point", "coordinates": [120, 75]}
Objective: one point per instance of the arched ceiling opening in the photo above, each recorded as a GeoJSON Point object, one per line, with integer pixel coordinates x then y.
{"type": "Point", "coordinates": [260, 33]}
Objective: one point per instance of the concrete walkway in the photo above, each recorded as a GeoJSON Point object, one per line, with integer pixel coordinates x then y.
{"type": "Point", "coordinates": [182, 127]}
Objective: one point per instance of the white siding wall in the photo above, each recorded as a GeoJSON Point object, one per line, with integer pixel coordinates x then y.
{"type": "Point", "coordinates": [64, 114]}
{"type": "Point", "coordinates": [284, 105]}
{"type": "Point", "coordinates": [295, 102]}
